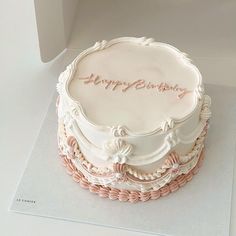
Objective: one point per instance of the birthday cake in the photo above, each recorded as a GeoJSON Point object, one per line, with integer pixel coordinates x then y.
{"type": "Point", "coordinates": [132, 119]}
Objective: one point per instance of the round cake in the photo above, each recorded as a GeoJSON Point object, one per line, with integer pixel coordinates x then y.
{"type": "Point", "coordinates": [132, 119]}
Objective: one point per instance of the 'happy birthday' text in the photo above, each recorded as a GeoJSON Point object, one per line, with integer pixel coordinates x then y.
{"type": "Point", "coordinates": [135, 85]}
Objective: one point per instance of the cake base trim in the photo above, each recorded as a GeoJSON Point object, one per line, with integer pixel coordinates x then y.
{"type": "Point", "coordinates": [124, 195]}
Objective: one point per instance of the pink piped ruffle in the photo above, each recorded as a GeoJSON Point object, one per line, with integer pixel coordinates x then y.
{"type": "Point", "coordinates": [134, 196]}
{"type": "Point", "coordinates": [118, 168]}
{"type": "Point", "coordinates": [72, 143]}
{"type": "Point", "coordinates": [104, 192]}
{"type": "Point", "coordinates": [172, 159]}
{"type": "Point", "coordinates": [94, 188]}
{"type": "Point", "coordinates": [145, 196]}
{"type": "Point", "coordinates": [155, 194]}
{"type": "Point", "coordinates": [123, 195]}
{"type": "Point", "coordinates": [127, 195]}
{"type": "Point", "coordinates": [114, 193]}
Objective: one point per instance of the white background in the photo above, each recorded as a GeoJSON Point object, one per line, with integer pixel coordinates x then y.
{"type": "Point", "coordinates": [26, 88]}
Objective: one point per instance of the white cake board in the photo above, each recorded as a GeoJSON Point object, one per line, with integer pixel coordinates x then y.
{"type": "Point", "coordinates": [202, 207]}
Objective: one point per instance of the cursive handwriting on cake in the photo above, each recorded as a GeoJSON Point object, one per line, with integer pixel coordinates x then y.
{"type": "Point", "coordinates": [135, 85]}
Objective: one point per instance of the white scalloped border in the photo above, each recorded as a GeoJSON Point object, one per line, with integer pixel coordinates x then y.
{"type": "Point", "coordinates": [170, 141]}
{"type": "Point", "coordinates": [68, 74]}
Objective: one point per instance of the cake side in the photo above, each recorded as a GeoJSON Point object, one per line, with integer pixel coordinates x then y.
{"type": "Point", "coordinates": [124, 176]}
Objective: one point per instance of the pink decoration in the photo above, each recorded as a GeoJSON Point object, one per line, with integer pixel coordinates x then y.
{"type": "Point", "coordinates": [124, 86]}
{"type": "Point", "coordinates": [189, 176]}
{"type": "Point", "coordinates": [134, 196]}
{"type": "Point", "coordinates": [72, 143]}
{"type": "Point", "coordinates": [94, 188]}
{"type": "Point", "coordinates": [57, 101]}
{"type": "Point", "coordinates": [174, 186]}
{"type": "Point", "coordinates": [165, 190]}
{"type": "Point", "coordinates": [123, 195]}
{"type": "Point", "coordinates": [172, 159]}
{"type": "Point", "coordinates": [144, 196]}
{"type": "Point", "coordinates": [181, 179]}
{"type": "Point", "coordinates": [118, 168]}
{"type": "Point", "coordinates": [127, 195]}
{"type": "Point", "coordinates": [114, 194]}
{"type": "Point", "coordinates": [104, 192]}
{"type": "Point", "coordinates": [77, 176]}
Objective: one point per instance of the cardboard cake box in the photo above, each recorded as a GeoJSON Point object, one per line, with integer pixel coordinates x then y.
{"type": "Point", "coordinates": [205, 31]}
{"type": "Point", "coordinates": [191, 26]}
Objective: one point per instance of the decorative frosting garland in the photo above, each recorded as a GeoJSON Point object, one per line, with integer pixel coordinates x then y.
{"type": "Point", "coordinates": [174, 159]}
{"type": "Point", "coordinates": [172, 168]}
{"type": "Point", "coordinates": [127, 195]}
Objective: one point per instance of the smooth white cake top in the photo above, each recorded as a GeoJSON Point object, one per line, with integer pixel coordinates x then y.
{"type": "Point", "coordinates": [136, 83]}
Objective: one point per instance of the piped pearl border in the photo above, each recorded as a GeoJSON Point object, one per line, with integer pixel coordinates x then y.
{"type": "Point", "coordinates": [124, 195]}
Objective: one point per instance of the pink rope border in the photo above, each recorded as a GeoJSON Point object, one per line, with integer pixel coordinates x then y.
{"type": "Point", "coordinates": [124, 195]}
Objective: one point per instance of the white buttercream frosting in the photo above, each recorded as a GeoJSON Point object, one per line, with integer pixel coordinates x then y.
{"type": "Point", "coordinates": [133, 101]}
{"type": "Point", "coordinates": [129, 61]}
{"type": "Point", "coordinates": [118, 150]}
